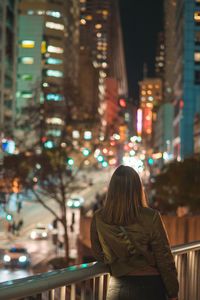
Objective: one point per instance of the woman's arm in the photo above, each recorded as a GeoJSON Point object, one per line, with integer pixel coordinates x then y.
{"type": "Point", "coordinates": [95, 244]}
{"type": "Point", "coordinates": [164, 258]}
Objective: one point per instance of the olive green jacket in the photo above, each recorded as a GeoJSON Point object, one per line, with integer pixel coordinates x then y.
{"type": "Point", "coordinates": [143, 245]}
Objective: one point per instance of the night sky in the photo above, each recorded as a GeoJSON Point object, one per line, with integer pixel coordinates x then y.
{"type": "Point", "coordinates": [141, 21]}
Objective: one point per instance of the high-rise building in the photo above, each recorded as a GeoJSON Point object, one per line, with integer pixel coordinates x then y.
{"type": "Point", "coordinates": [44, 66]}
{"type": "Point", "coordinates": [100, 33]}
{"type": "Point", "coordinates": [160, 56]}
{"type": "Point", "coordinates": [150, 97]}
{"type": "Point", "coordinates": [7, 66]}
{"type": "Point", "coordinates": [187, 76]}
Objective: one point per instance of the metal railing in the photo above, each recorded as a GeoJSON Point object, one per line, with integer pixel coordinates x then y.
{"type": "Point", "coordinates": [90, 281]}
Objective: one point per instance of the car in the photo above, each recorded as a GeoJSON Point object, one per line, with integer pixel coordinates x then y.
{"type": "Point", "coordinates": [40, 232]}
{"type": "Point", "coordinates": [16, 256]}
{"type": "Point", "coordinates": [75, 201]}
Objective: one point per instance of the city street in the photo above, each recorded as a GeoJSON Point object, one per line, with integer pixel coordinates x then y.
{"type": "Point", "coordinates": [33, 213]}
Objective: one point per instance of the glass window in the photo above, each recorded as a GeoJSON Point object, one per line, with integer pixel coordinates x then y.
{"type": "Point", "coordinates": [197, 37]}
{"type": "Point", "coordinates": [26, 77]}
{"type": "Point", "coordinates": [27, 44]}
{"type": "Point", "coordinates": [53, 25]}
{"type": "Point", "coordinates": [55, 14]}
{"type": "Point", "coordinates": [197, 77]}
{"type": "Point", "coordinates": [54, 73]}
{"type": "Point", "coordinates": [197, 57]}
{"type": "Point", "coordinates": [53, 49]}
{"type": "Point", "coordinates": [54, 61]}
{"type": "Point", "coordinates": [27, 95]}
{"type": "Point", "coordinates": [55, 97]}
{"type": "Point", "coordinates": [55, 121]}
{"type": "Point", "coordinates": [27, 60]}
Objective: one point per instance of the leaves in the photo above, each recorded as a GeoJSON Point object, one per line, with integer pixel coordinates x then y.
{"type": "Point", "coordinates": [179, 184]}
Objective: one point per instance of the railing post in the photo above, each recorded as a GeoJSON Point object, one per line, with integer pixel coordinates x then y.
{"type": "Point", "coordinates": [101, 285]}
{"type": "Point", "coordinates": [73, 292]}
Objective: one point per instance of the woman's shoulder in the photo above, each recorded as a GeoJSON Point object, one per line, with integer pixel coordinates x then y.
{"type": "Point", "coordinates": [148, 212]}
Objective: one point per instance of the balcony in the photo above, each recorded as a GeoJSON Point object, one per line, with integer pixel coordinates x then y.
{"type": "Point", "coordinates": [89, 281]}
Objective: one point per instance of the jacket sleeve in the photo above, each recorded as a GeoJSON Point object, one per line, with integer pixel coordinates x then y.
{"type": "Point", "coordinates": [163, 255]}
{"type": "Point", "coordinates": [95, 243]}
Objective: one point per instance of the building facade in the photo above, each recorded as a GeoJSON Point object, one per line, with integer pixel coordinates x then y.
{"type": "Point", "coordinates": [8, 26]}
{"type": "Point", "coordinates": [42, 69]}
{"type": "Point", "coordinates": [187, 76]}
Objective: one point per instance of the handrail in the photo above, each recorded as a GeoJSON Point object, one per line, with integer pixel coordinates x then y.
{"type": "Point", "coordinates": [42, 282]}
{"type": "Point", "coordinates": [28, 286]}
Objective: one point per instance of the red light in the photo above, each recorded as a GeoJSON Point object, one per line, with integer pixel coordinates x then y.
{"type": "Point", "coordinates": [44, 138]}
{"type": "Point", "coordinates": [122, 102]}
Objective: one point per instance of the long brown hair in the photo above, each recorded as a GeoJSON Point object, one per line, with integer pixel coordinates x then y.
{"type": "Point", "coordinates": [124, 198]}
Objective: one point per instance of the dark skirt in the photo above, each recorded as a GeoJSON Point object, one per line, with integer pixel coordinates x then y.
{"type": "Point", "coordinates": [136, 288]}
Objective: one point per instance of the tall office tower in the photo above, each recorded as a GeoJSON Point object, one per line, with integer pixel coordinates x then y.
{"type": "Point", "coordinates": [7, 67]}
{"type": "Point", "coordinates": [187, 76]}
{"type": "Point", "coordinates": [100, 33]}
{"type": "Point", "coordinates": [160, 56]}
{"type": "Point", "coordinates": [150, 96]}
{"type": "Point", "coordinates": [43, 69]}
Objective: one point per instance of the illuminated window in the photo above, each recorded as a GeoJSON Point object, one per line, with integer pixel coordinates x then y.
{"type": "Point", "coordinates": [55, 14]}
{"type": "Point", "coordinates": [54, 97]}
{"type": "Point", "coordinates": [197, 16]}
{"type": "Point", "coordinates": [143, 92]}
{"type": "Point", "coordinates": [27, 60]}
{"type": "Point", "coordinates": [82, 21]}
{"type": "Point", "coordinates": [27, 44]}
{"type": "Point", "coordinates": [87, 135]}
{"type": "Point", "coordinates": [150, 86]}
{"type": "Point", "coordinates": [55, 121]}
{"type": "Point", "coordinates": [26, 77]}
{"type": "Point", "coordinates": [75, 134]}
{"type": "Point", "coordinates": [54, 73]}
{"type": "Point", "coordinates": [143, 98]}
{"type": "Point", "coordinates": [197, 57]}
{"type": "Point", "coordinates": [98, 26]}
{"type": "Point", "coordinates": [149, 92]}
{"type": "Point", "coordinates": [89, 17]}
{"type": "Point", "coordinates": [54, 61]}
{"type": "Point", "coordinates": [104, 64]}
{"type": "Point", "coordinates": [53, 25]}
{"type": "Point", "coordinates": [197, 37]}
{"type": "Point", "coordinates": [43, 47]}
{"type": "Point", "coordinates": [27, 95]}
{"type": "Point", "coordinates": [53, 49]}
{"type": "Point", "coordinates": [54, 132]}
{"type": "Point", "coordinates": [157, 86]}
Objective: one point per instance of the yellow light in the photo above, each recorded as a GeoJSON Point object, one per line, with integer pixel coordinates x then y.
{"type": "Point", "coordinates": [98, 26]}
{"type": "Point", "coordinates": [149, 92]}
{"type": "Point", "coordinates": [105, 12]}
{"type": "Point", "coordinates": [89, 17]}
{"type": "Point", "coordinates": [143, 92]}
{"type": "Point", "coordinates": [43, 47]}
{"type": "Point", "coordinates": [150, 86]}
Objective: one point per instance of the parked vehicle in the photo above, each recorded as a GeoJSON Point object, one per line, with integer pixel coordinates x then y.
{"type": "Point", "coordinates": [40, 232]}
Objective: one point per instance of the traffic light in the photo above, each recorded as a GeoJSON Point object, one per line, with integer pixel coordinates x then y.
{"type": "Point", "coordinates": [150, 161]}
{"type": "Point", "coordinates": [86, 151]}
{"type": "Point", "coordinates": [70, 161]}
{"type": "Point", "coordinates": [100, 158]}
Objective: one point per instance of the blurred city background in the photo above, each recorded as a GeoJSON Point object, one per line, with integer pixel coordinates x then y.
{"type": "Point", "coordinates": [86, 85]}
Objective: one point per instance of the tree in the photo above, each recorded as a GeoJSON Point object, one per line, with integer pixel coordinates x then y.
{"type": "Point", "coordinates": [47, 176]}
{"type": "Point", "coordinates": [179, 184]}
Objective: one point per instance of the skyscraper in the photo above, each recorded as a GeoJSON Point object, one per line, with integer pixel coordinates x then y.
{"type": "Point", "coordinates": [43, 65]}
{"type": "Point", "coordinates": [7, 66]}
{"type": "Point", "coordinates": [187, 76]}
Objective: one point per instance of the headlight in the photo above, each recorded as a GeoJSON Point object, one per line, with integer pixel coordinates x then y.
{"type": "Point", "coordinates": [33, 235]}
{"type": "Point", "coordinates": [76, 203]}
{"type": "Point", "coordinates": [44, 234]}
{"type": "Point", "coordinates": [70, 203]}
{"type": "Point", "coordinates": [6, 258]}
{"type": "Point", "coordinates": [22, 259]}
